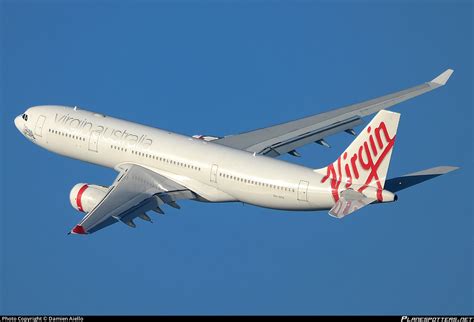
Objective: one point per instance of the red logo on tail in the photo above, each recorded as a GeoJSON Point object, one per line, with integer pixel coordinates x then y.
{"type": "Point", "coordinates": [366, 160]}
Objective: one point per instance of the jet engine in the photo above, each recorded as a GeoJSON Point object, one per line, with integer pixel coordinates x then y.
{"type": "Point", "coordinates": [84, 197]}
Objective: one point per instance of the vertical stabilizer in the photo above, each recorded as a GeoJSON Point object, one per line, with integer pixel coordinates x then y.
{"type": "Point", "coordinates": [365, 162]}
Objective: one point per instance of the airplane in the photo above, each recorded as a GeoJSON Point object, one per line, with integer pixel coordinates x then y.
{"type": "Point", "coordinates": [157, 167]}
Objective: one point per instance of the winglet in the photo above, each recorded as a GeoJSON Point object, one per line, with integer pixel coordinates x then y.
{"type": "Point", "coordinates": [443, 78]}
{"type": "Point", "coordinates": [78, 229]}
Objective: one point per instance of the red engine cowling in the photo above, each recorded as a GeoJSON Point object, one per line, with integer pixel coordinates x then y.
{"type": "Point", "coordinates": [84, 197]}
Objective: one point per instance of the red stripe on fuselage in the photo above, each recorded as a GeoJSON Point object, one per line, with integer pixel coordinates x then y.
{"type": "Point", "coordinates": [79, 196]}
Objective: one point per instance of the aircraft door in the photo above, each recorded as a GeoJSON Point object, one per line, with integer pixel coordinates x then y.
{"type": "Point", "coordinates": [214, 170]}
{"type": "Point", "coordinates": [303, 190]}
{"type": "Point", "coordinates": [94, 141]}
{"type": "Point", "coordinates": [39, 125]}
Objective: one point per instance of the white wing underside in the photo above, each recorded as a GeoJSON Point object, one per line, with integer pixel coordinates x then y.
{"type": "Point", "coordinates": [135, 191]}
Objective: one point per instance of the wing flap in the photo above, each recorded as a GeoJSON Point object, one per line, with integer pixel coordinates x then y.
{"type": "Point", "coordinates": [291, 141]}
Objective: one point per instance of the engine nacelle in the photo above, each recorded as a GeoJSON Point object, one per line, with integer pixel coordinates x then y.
{"type": "Point", "coordinates": [84, 197]}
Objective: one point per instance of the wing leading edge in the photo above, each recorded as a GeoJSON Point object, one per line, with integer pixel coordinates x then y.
{"type": "Point", "coordinates": [135, 191]}
{"type": "Point", "coordinates": [286, 137]}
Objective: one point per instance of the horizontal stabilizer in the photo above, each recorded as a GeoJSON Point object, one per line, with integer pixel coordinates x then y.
{"type": "Point", "coordinates": [349, 202]}
{"type": "Point", "coordinates": [400, 183]}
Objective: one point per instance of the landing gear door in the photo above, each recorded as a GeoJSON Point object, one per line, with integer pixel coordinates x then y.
{"type": "Point", "coordinates": [303, 190]}
{"type": "Point", "coordinates": [94, 141]}
{"type": "Point", "coordinates": [214, 173]}
{"type": "Point", "coordinates": [39, 125]}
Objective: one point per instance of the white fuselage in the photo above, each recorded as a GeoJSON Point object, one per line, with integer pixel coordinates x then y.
{"type": "Point", "coordinates": [216, 173]}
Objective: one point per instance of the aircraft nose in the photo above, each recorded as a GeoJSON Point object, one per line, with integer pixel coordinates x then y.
{"type": "Point", "coordinates": [18, 122]}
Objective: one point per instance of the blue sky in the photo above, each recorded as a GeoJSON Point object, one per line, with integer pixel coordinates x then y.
{"type": "Point", "coordinates": [208, 67]}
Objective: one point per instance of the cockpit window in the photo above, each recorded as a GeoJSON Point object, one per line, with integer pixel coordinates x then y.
{"type": "Point", "coordinates": [25, 117]}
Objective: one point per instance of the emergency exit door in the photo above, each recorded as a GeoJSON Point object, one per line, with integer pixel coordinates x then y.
{"type": "Point", "coordinates": [303, 190]}
{"type": "Point", "coordinates": [39, 125]}
{"type": "Point", "coordinates": [214, 170]}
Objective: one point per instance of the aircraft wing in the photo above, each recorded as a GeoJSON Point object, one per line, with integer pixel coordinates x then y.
{"type": "Point", "coordinates": [135, 191]}
{"type": "Point", "coordinates": [285, 138]}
